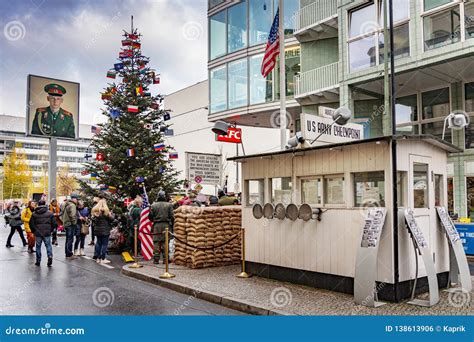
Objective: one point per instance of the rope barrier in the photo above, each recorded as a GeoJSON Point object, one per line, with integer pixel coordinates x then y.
{"type": "Point", "coordinates": [206, 248]}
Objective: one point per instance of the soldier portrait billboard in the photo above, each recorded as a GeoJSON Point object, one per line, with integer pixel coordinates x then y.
{"type": "Point", "coordinates": [52, 107]}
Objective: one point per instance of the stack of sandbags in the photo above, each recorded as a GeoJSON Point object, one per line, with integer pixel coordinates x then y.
{"type": "Point", "coordinates": [203, 229]}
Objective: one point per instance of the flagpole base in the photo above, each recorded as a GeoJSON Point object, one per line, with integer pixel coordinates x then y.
{"type": "Point", "coordinates": [136, 265]}
{"type": "Point", "coordinates": [243, 275]}
{"type": "Point", "coordinates": [167, 275]}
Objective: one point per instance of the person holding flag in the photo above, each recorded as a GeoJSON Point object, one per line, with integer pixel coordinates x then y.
{"type": "Point", "coordinates": [162, 216]}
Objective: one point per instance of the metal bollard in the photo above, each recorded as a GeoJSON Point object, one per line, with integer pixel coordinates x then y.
{"type": "Point", "coordinates": [243, 274]}
{"type": "Point", "coordinates": [167, 275]}
{"type": "Point", "coordinates": [135, 252]}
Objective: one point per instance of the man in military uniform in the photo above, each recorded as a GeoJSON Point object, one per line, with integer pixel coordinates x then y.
{"type": "Point", "coordinates": [54, 120]}
{"type": "Point", "coordinates": [162, 216]}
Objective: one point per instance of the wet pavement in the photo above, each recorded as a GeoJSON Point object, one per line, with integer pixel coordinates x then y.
{"type": "Point", "coordinates": [83, 287]}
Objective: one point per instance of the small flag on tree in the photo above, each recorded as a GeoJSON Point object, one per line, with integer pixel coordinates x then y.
{"type": "Point", "coordinates": [132, 36]}
{"type": "Point", "coordinates": [114, 113]}
{"type": "Point", "coordinates": [155, 105]}
{"type": "Point", "coordinates": [87, 156]}
{"type": "Point", "coordinates": [118, 66]}
{"type": "Point", "coordinates": [93, 176]}
{"type": "Point", "coordinates": [159, 147]}
{"type": "Point", "coordinates": [161, 169]}
{"type": "Point", "coordinates": [100, 157]}
{"type": "Point", "coordinates": [167, 116]}
{"type": "Point", "coordinates": [84, 172]}
{"type": "Point", "coordinates": [106, 168]}
{"type": "Point", "coordinates": [139, 90]}
{"type": "Point", "coordinates": [131, 152]}
{"type": "Point", "coordinates": [146, 94]}
{"type": "Point", "coordinates": [173, 155]}
{"type": "Point", "coordinates": [96, 129]}
{"type": "Point", "coordinates": [136, 45]}
{"type": "Point", "coordinates": [156, 80]}
{"type": "Point", "coordinates": [132, 109]}
{"type": "Point", "coordinates": [126, 42]}
{"type": "Point", "coordinates": [106, 96]}
{"type": "Point", "coordinates": [142, 69]}
{"type": "Point", "coordinates": [111, 74]}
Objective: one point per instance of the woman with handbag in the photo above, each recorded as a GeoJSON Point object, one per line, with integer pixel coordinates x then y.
{"type": "Point", "coordinates": [102, 219]}
{"type": "Point", "coordinates": [83, 222]}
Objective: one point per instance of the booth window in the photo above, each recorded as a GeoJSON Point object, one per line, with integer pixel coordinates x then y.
{"type": "Point", "coordinates": [420, 185]}
{"type": "Point", "coordinates": [369, 189]}
{"type": "Point", "coordinates": [281, 190]}
{"type": "Point", "coordinates": [255, 191]}
{"type": "Point", "coordinates": [311, 191]}
{"type": "Point", "coordinates": [439, 190]}
{"type": "Point", "coordinates": [450, 195]}
{"type": "Point", "coordinates": [334, 190]}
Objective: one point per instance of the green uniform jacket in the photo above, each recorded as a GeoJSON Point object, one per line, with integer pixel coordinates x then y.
{"type": "Point", "coordinates": [60, 124]}
{"type": "Point", "coordinates": [227, 200]}
{"type": "Point", "coordinates": [162, 216]}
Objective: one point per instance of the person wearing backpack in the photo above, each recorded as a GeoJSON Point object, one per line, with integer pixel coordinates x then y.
{"type": "Point", "coordinates": [42, 224]}
{"type": "Point", "coordinates": [69, 219]}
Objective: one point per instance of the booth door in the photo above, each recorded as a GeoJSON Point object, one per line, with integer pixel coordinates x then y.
{"type": "Point", "coordinates": [421, 194]}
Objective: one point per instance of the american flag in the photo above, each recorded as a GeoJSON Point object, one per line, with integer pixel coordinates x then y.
{"type": "Point", "coordinates": [273, 47]}
{"type": "Point", "coordinates": [145, 229]}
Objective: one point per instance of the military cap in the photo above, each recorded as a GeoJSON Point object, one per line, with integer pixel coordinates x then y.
{"type": "Point", "coordinates": [54, 89]}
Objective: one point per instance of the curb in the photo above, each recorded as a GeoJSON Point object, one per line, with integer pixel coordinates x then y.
{"type": "Point", "coordinates": [213, 297]}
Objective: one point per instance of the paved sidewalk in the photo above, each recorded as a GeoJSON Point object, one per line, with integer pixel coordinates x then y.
{"type": "Point", "coordinates": [262, 296]}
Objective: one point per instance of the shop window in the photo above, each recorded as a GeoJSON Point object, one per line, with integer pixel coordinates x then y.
{"type": "Point", "coordinates": [255, 192]}
{"type": "Point", "coordinates": [281, 190]}
{"type": "Point", "coordinates": [439, 190]}
{"type": "Point", "coordinates": [369, 189]}
{"type": "Point", "coordinates": [451, 195]}
{"type": "Point", "coordinates": [420, 185]}
{"type": "Point", "coordinates": [237, 27]}
{"type": "Point", "coordinates": [217, 27]}
{"type": "Point", "coordinates": [470, 197]}
{"type": "Point", "coordinates": [333, 190]}
{"type": "Point", "coordinates": [311, 191]}
{"type": "Point", "coordinates": [218, 89]}
{"type": "Point", "coordinates": [442, 28]}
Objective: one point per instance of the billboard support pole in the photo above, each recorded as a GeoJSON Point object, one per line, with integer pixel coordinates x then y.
{"type": "Point", "coordinates": [53, 156]}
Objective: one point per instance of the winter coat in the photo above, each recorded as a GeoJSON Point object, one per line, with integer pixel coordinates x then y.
{"type": "Point", "coordinates": [134, 216]}
{"type": "Point", "coordinates": [56, 210]}
{"type": "Point", "coordinates": [102, 224]}
{"type": "Point", "coordinates": [69, 214]}
{"type": "Point", "coordinates": [42, 221]}
{"type": "Point", "coordinates": [83, 212]}
{"type": "Point", "coordinates": [14, 217]}
{"type": "Point", "coordinates": [26, 217]}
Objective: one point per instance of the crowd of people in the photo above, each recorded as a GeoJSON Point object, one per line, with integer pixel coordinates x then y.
{"type": "Point", "coordinates": [42, 222]}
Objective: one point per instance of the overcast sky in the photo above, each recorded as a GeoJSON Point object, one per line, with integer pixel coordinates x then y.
{"type": "Point", "coordinates": [79, 40]}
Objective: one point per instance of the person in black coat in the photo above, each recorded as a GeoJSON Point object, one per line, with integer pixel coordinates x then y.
{"type": "Point", "coordinates": [13, 218]}
{"type": "Point", "coordinates": [42, 224]}
{"type": "Point", "coordinates": [102, 220]}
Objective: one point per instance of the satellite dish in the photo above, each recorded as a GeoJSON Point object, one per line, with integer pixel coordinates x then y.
{"type": "Point", "coordinates": [257, 211]}
{"type": "Point", "coordinates": [221, 127]}
{"type": "Point", "coordinates": [292, 212]}
{"type": "Point", "coordinates": [306, 212]}
{"type": "Point", "coordinates": [268, 211]}
{"type": "Point", "coordinates": [280, 211]}
{"type": "Point", "coordinates": [341, 115]}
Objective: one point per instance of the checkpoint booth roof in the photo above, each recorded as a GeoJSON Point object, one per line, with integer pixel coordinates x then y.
{"type": "Point", "coordinates": [341, 183]}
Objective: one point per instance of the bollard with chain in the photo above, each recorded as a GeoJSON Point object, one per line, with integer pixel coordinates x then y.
{"type": "Point", "coordinates": [243, 274]}
{"type": "Point", "coordinates": [135, 252]}
{"type": "Point", "coordinates": [167, 275]}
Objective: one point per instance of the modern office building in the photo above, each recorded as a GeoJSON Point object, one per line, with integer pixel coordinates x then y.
{"type": "Point", "coordinates": [340, 62]}
{"type": "Point", "coordinates": [70, 153]}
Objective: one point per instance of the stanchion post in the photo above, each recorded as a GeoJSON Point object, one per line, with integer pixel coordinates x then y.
{"type": "Point", "coordinates": [136, 264]}
{"type": "Point", "coordinates": [167, 274]}
{"type": "Point", "coordinates": [243, 274]}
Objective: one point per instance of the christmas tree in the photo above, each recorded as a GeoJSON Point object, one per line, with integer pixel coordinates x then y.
{"type": "Point", "coordinates": [129, 148]}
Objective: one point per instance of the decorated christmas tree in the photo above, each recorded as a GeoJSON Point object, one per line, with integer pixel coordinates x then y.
{"type": "Point", "coordinates": [129, 148]}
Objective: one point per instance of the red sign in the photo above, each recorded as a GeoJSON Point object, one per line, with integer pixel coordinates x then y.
{"type": "Point", "coordinates": [127, 202]}
{"type": "Point", "coordinates": [198, 179]}
{"type": "Point", "coordinates": [234, 135]}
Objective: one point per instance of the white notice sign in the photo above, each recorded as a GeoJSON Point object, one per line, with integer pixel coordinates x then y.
{"type": "Point", "coordinates": [312, 126]}
{"type": "Point", "coordinates": [204, 166]}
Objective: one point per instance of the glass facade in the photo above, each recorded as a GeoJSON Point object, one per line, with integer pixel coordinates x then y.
{"type": "Point", "coordinates": [218, 89]}
{"type": "Point", "coordinates": [430, 4]}
{"type": "Point", "coordinates": [260, 21]}
{"type": "Point", "coordinates": [260, 87]}
{"type": "Point", "coordinates": [217, 43]}
{"type": "Point", "coordinates": [442, 28]}
{"type": "Point", "coordinates": [237, 83]}
{"type": "Point", "coordinates": [292, 68]}
{"type": "Point", "coordinates": [237, 27]}
{"type": "Point", "coordinates": [469, 107]}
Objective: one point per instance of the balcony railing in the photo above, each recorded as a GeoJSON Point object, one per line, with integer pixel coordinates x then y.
{"type": "Point", "coordinates": [316, 80]}
{"type": "Point", "coordinates": [316, 12]}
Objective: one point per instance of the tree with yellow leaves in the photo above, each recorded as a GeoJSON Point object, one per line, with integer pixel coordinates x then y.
{"type": "Point", "coordinates": [66, 184]}
{"type": "Point", "coordinates": [17, 176]}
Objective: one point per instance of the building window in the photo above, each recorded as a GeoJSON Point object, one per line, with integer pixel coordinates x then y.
{"type": "Point", "coordinates": [213, 3]}
{"type": "Point", "coordinates": [333, 190]}
{"type": "Point", "coordinates": [218, 88]}
{"type": "Point", "coordinates": [312, 191]}
{"type": "Point", "coordinates": [237, 83]}
{"type": "Point", "coordinates": [217, 35]}
{"type": "Point", "coordinates": [260, 88]}
{"type": "Point", "coordinates": [406, 109]}
{"type": "Point", "coordinates": [369, 189]}
{"type": "Point", "coordinates": [435, 107]}
{"type": "Point", "coordinates": [420, 185]}
{"type": "Point", "coordinates": [260, 21]}
{"type": "Point", "coordinates": [237, 27]}
{"type": "Point", "coordinates": [366, 27]}
{"type": "Point", "coordinates": [255, 192]}
{"type": "Point", "coordinates": [469, 106]}
{"type": "Point", "coordinates": [292, 68]}
{"type": "Point", "coordinates": [442, 28]}
{"type": "Point", "coordinates": [469, 19]}
{"type": "Point", "coordinates": [430, 4]}
{"type": "Point", "coordinates": [281, 190]}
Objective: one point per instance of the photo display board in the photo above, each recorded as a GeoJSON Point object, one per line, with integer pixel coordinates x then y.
{"type": "Point", "coordinates": [415, 230]}
{"type": "Point", "coordinates": [448, 224]}
{"type": "Point", "coordinates": [374, 222]}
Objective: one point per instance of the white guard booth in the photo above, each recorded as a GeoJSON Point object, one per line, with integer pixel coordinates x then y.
{"type": "Point", "coordinates": [341, 183]}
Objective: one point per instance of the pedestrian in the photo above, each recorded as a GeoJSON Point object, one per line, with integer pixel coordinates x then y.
{"type": "Point", "coordinates": [213, 201]}
{"type": "Point", "coordinates": [83, 218]}
{"type": "Point", "coordinates": [42, 224]}
{"type": "Point", "coordinates": [55, 209]}
{"type": "Point", "coordinates": [225, 200]}
{"type": "Point", "coordinates": [162, 216]}
{"type": "Point", "coordinates": [133, 220]}
{"type": "Point", "coordinates": [69, 219]}
{"type": "Point", "coordinates": [102, 218]}
{"type": "Point", "coordinates": [26, 217]}
{"type": "Point", "coordinates": [95, 200]}
{"type": "Point", "coordinates": [14, 220]}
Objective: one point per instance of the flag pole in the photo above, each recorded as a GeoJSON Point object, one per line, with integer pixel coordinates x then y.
{"type": "Point", "coordinates": [283, 123]}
